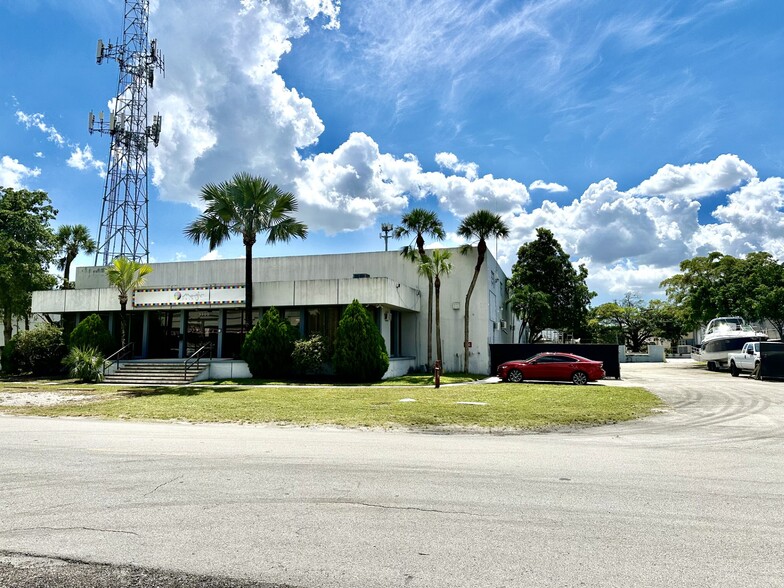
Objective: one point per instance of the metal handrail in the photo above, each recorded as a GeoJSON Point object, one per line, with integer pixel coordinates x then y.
{"type": "Point", "coordinates": [195, 357]}
{"type": "Point", "coordinates": [117, 357]}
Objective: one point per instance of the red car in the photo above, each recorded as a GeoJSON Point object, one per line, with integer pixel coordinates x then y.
{"type": "Point", "coordinates": [552, 366]}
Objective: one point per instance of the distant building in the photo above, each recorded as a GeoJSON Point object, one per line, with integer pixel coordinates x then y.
{"type": "Point", "coordinates": [17, 324]}
{"type": "Point", "coordinates": [184, 305]}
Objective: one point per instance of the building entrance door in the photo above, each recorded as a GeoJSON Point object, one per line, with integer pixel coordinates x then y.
{"type": "Point", "coordinates": [202, 329]}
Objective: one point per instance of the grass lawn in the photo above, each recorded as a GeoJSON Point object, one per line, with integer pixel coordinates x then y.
{"type": "Point", "coordinates": [408, 380]}
{"type": "Point", "coordinates": [505, 406]}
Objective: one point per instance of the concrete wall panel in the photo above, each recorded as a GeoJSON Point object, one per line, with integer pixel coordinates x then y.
{"type": "Point", "coordinates": [316, 292]}
{"type": "Point", "coordinates": [278, 294]}
{"type": "Point", "coordinates": [50, 301]}
{"type": "Point", "coordinates": [78, 300]}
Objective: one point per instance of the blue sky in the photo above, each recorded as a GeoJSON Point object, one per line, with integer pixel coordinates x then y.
{"type": "Point", "coordinates": [641, 133]}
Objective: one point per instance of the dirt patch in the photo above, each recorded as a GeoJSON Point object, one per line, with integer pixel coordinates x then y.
{"type": "Point", "coordinates": [40, 398]}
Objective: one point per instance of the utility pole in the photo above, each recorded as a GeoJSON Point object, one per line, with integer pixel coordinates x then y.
{"type": "Point", "coordinates": [124, 221]}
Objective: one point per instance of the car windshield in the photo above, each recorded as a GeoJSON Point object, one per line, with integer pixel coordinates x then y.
{"type": "Point", "coordinates": [533, 357]}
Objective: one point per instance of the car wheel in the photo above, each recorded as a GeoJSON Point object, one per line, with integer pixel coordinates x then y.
{"type": "Point", "coordinates": [515, 376]}
{"type": "Point", "coordinates": [580, 378]}
{"type": "Point", "coordinates": [734, 371]}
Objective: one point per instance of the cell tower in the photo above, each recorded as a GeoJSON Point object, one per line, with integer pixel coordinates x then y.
{"type": "Point", "coordinates": [123, 231]}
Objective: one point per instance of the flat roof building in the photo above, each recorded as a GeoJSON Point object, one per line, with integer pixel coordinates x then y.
{"type": "Point", "coordinates": [184, 305]}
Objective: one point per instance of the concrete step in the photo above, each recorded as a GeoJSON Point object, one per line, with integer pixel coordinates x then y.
{"type": "Point", "coordinates": [155, 374]}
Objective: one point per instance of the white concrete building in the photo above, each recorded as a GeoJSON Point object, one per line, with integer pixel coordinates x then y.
{"type": "Point", "coordinates": [183, 305]}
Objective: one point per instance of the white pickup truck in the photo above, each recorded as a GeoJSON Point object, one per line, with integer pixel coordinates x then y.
{"type": "Point", "coordinates": [746, 360]}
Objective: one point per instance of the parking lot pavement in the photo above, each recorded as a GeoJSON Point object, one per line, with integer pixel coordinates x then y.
{"type": "Point", "coordinates": [704, 407]}
{"type": "Point", "coordinates": [22, 571]}
{"type": "Point", "coordinates": [690, 496]}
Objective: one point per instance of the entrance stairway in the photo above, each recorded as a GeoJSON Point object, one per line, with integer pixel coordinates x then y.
{"type": "Point", "coordinates": [169, 373]}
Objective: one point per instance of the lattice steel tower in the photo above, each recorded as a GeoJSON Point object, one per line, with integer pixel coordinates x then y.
{"type": "Point", "coordinates": [123, 231]}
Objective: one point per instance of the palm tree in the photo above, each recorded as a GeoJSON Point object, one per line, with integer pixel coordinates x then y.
{"type": "Point", "coordinates": [72, 239]}
{"type": "Point", "coordinates": [126, 275]}
{"type": "Point", "coordinates": [246, 205]}
{"type": "Point", "coordinates": [479, 225]}
{"type": "Point", "coordinates": [421, 222]}
{"type": "Point", "coordinates": [433, 268]}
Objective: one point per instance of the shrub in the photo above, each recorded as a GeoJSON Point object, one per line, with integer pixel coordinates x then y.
{"type": "Point", "coordinates": [8, 361]}
{"type": "Point", "coordinates": [360, 351]}
{"type": "Point", "coordinates": [92, 332]}
{"type": "Point", "coordinates": [309, 355]}
{"type": "Point", "coordinates": [267, 347]}
{"type": "Point", "coordinates": [85, 364]}
{"type": "Point", "coordinates": [39, 351]}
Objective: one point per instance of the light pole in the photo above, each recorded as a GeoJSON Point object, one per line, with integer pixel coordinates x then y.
{"type": "Point", "coordinates": [386, 228]}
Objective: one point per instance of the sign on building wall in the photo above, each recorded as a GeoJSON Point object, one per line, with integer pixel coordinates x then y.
{"type": "Point", "coordinates": [197, 296]}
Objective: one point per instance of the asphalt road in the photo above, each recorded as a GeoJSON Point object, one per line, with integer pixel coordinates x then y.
{"type": "Point", "coordinates": [693, 496]}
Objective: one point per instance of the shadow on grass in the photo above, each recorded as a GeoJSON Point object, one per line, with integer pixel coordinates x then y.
{"type": "Point", "coordinates": [415, 379]}
{"type": "Point", "coordinates": [178, 391]}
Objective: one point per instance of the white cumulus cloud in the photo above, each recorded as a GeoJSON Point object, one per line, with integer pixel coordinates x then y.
{"type": "Point", "coordinates": [13, 173]}
{"type": "Point", "coordinates": [632, 241]}
{"type": "Point", "coordinates": [83, 159]}
{"type": "Point", "coordinates": [547, 186]}
{"type": "Point", "coordinates": [697, 180]}
{"type": "Point", "coordinates": [226, 108]}
{"type": "Point", "coordinates": [450, 162]}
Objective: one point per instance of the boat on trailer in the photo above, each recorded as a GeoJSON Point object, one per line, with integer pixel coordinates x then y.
{"type": "Point", "coordinates": [725, 335]}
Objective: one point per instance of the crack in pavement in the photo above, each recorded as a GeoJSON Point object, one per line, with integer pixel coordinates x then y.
{"type": "Point", "coordinates": [386, 506]}
{"type": "Point", "coordinates": [68, 529]}
{"type": "Point", "coordinates": [159, 486]}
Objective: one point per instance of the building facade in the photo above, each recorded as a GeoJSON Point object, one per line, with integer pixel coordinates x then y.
{"type": "Point", "coordinates": [184, 305]}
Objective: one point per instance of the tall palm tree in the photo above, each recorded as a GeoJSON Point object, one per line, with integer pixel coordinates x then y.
{"type": "Point", "coordinates": [246, 205]}
{"type": "Point", "coordinates": [479, 225]}
{"type": "Point", "coordinates": [71, 240]}
{"type": "Point", "coordinates": [421, 222]}
{"type": "Point", "coordinates": [434, 267]}
{"type": "Point", "coordinates": [126, 275]}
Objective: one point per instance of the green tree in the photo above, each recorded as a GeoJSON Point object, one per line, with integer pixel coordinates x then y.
{"type": "Point", "coordinates": [435, 266]}
{"type": "Point", "coordinates": [478, 226]}
{"type": "Point", "coordinates": [27, 248]}
{"type": "Point", "coordinates": [546, 290]}
{"type": "Point", "coordinates": [72, 239]}
{"type": "Point", "coordinates": [670, 321]}
{"type": "Point", "coordinates": [126, 275]}
{"type": "Point", "coordinates": [631, 317]}
{"type": "Point", "coordinates": [766, 277]}
{"type": "Point", "coordinates": [245, 206]}
{"type": "Point", "coordinates": [638, 322]}
{"type": "Point", "coordinates": [420, 223]}
{"type": "Point", "coordinates": [707, 287]}
{"type": "Point", "coordinates": [531, 307]}
{"type": "Point", "coordinates": [722, 285]}
{"type": "Point", "coordinates": [91, 332]}
{"type": "Point", "coordinates": [267, 347]}
{"type": "Point", "coordinates": [38, 351]}
{"type": "Point", "coordinates": [360, 351]}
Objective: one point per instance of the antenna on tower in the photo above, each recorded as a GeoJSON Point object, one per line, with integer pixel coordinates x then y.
{"type": "Point", "coordinates": [386, 228]}
{"type": "Point", "coordinates": [124, 222]}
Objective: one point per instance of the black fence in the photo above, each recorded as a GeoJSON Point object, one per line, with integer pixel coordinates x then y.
{"type": "Point", "coordinates": [771, 360]}
{"type": "Point", "coordinates": [499, 353]}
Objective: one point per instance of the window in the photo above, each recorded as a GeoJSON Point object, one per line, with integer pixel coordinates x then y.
{"type": "Point", "coordinates": [395, 333]}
